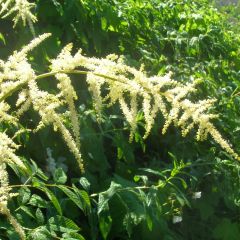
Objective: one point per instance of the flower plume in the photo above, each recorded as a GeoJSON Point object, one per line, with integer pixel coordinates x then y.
{"type": "Point", "coordinates": [20, 8]}
{"type": "Point", "coordinates": [131, 88]}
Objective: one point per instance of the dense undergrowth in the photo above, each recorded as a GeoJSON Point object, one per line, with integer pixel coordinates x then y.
{"type": "Point", "coordinates": [162, 187]}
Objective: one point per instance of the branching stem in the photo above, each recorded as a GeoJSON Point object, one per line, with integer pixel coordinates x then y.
{"type": "Point", "coordinates": [49, 74]}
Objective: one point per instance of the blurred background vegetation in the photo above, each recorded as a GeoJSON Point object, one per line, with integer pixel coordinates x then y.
{"type": "Point", "coordinates": [197, 182]}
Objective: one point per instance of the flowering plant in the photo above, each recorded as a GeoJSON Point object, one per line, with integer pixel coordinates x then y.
{"type": "Point", "coordinates": [111, 82]}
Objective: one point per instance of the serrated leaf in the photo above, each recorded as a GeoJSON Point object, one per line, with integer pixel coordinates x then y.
{"type": "Point", "coordinates": [52, 198]}
{"type": "Point", "coordinates": [135, 208]}
{"type": "Point", "coordinates": [84, 197]}
{"type": "Point", "coordinates": [24, 195]}
{"type": "Point", "coordinates": [39, 216]}
{"type": "Point", "coordinates": [62, 224]}
{"type": "Point", "coordinates": [37, 201]}
{"type": "Point", "coordinates": [40, 233]}
{"type": "Point", "coordinates": [27, 211]}
{"type": "Point", "coordinates": [73, 236]}
{"type": "Point", "coordinates": [71, 195]}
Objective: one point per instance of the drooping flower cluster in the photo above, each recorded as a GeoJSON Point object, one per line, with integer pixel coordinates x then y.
{"type": "Point", "coordinates": [5, 195]}
{"type": "Point", "coordinates": [132, 89]}
{"type": "Point", "coordinates": [7, 156]}
{"type": "Point", "coordinates": [20, 8]}
{"type": "Point", "coordinates": [47, 106]}
{"type": "Point", "coordinates": [65, 86]}
{"type": "Point", "coordinates": [16, 73]}
{"type": "Point", "coordinates": [7, 150]}
{"type": "Point", "coordinates": [135, 91]}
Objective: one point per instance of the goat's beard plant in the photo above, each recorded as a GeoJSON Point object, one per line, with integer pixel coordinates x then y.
{"type": "Point", "coordinates": [132, 89]}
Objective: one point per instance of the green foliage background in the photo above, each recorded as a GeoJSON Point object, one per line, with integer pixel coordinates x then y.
{"type": "Point", "coordinates": [133, 190]}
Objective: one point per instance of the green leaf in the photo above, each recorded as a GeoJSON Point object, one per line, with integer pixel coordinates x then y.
{"type": "Point", "coordinates": [2, 38]}
{"type": "Point", "coordinates": [149, 222]}
{"type": "Point", "coordinates": [155, 172]}
{"type": "Point", "coordinates": [52, 198]}
{"type": "Point", "coordinates": [39, 216]}
{"type": "Point", "coordinates": [38, 201]}
{"type": "Point", "coordinates": [130, 220]}
{"type": "Point", "coordinates": [59, 176]}
{"type": "Point", "coordinates": [27, 211]}
{"type": "Point", "coordinates": [104, 23]}
{"type": "Point", "coordinates": [105, 223]}
{"type": "Point", "coordinates": [73, 236]}
{"type": "Point", "coordinates": [136, 178]}
{"type": "Point", "coordinates": [12, 235]}
{"type": "Point", "coordinates": [40, 233]}
{"type": "Point", "coordinates": [79, 197]}
{"type": "Point", "coordinates": [72, 196]}
{"type": "Point", "coordinates": [62, 224]}
{"type": "Point", "coordinates": [104, 197]}
{"type": "Point", "coordinates": [24, 195]}
{"type": "Point", "coordinates": [84, 198]}
{"type": "Point", "coordinates": [105, 220]}
{"type": "Point", "coordinates": [85, 183]}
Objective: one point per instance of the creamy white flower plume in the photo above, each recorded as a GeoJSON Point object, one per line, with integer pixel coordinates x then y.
{"type": "Point", "coordinates": [110, 82]}
{"type": "Point", "coordinates": [21, 9]}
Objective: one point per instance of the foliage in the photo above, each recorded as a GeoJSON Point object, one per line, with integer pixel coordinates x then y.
{"type": "Point", "coordinates": [150, 188]}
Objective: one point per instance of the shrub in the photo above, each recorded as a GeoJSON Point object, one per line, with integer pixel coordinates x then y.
{"type": "Point", "coordinates": [118, 195]}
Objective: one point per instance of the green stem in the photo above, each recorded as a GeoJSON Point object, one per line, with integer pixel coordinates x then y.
{"type": "Point", "coordinates": [49, 74]}
{"type": "Point", "coordinates": [45, 185]}
{"type": "Point", "coordinates": [93, 194]}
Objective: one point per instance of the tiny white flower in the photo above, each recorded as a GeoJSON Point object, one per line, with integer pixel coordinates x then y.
{"type": "Point", "coordinates": [197, 195]}
{"type": "Point", "coordinates": [177, 219]}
